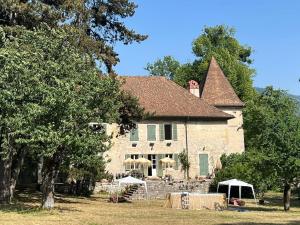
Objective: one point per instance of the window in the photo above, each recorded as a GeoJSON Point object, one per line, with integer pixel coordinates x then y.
{"type": "Point", "coordinates": [151, 132]}
{"type": "Point", "coordinates": [168, 131]}
{"type": "Point", "coordinates": [171, 157]}
{"type": "Point", "coordinates": [134, 156]}
{"type": "Point", "coordinates": [134, 165]}
{"type": "Point", "coordinates": [153, 159]}
{"type": "Point", "coordinates": [98, 127]}
{"type": "Point", "coordinates": [134, 134]}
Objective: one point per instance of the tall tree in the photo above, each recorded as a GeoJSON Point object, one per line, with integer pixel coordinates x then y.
{"type": "Point", "coordinates": [166, 67]}
{"type": "Point", "coordinates": [273, 129]}
{"type": "Point", "coordinates": [99, 22]}
{"type": "Point", "coordinates": [220, 42]}
{"type": "Point", "coordinates": [50, 91]}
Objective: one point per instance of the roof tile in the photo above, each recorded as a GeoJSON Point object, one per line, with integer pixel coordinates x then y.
{"type": "Point", "coordinates": [217, 90]}
{"type": "Point", "coordinates": [165, 98]}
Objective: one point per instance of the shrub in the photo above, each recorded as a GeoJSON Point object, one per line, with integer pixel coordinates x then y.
{"type": "Point", "coordinates": [249, 167]}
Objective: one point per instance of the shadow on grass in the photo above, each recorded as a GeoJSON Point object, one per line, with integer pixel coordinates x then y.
{"type": "Point", "coordinates": [29, 209]}
{"type": "Point", "coordinates": [254, 223]}
{"type": "Point", "coordinates": [273, 203]}
{"type": "Point", "coordinates": [253, 209]}
{"type": "Point", "coordinates": [29, 201]}
{"type": "Point", "coordinates": [68, 200]}
{"type": "Point", "coordinates": [258, 208]}
{"type": "Point", "coordinates": [20, 208]}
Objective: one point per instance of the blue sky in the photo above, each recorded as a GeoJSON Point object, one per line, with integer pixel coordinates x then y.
{"type": "Point", "coordinates": [270, 27]}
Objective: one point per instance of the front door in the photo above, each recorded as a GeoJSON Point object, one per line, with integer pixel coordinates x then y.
{"type": "Point", "coordinates": [152, 169]}
{"type": "Point", "coordinates": [203, 164]}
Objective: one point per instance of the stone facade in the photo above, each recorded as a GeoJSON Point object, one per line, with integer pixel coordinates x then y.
{"type": "Point", "coordinates": [199, 137]}
{"type": "Point", "coordinates": [235, 131]}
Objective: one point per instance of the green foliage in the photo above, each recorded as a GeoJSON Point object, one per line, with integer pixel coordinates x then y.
{"type": "Point", "coordinates": [233, 58]}
{"type": "Point", "coordinates": [273, 129]}
{"type": "Point", "coordinates": [220, 42]}
{"type": "Point", "coordinates": [129, 110]}
{"type": "Point", "coordinates": [40, 67]}
{"type": "Point", "coordinates": [272, 135]}
{"type": "Point", "coordinates": [164, 67]}
{"type": "Point", "coordinates": [250, 167]}
{"type": "Point", "coordinates": [50, 91]}
{"type": "Point", "coordinates": [184, 161]}
{"type": "Point", "coordinates": [99, 22]}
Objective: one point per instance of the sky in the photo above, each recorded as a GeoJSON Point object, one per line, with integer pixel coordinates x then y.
{"type": "Point", "coordinates": [270, 27]}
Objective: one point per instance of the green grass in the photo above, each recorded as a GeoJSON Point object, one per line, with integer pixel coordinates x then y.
{"type": "Point", "coordinates": [96, 210]}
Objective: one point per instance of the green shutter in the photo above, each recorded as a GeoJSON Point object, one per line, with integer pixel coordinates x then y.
{"type": "Point", "coordinates": [151, 132]}
{"type": "Point", "coordinates": [134, 134]}
{"type": "Point", "coordinates": [104, 127]}
{"type": "Point", "coordinates": [175, 157]}
{"type": "Point", "coordinates": [146, 168]}
{"type": "Point", "coordinates": [203, 164]}
{"type": "Point", "coordinates": [174, 131]}
{"type": "Point", "coordinates": [159, 168]}
{"type": "Point", "coordinates": [127, 166]}
{"type": "Point", "coordinates": [161, 132]}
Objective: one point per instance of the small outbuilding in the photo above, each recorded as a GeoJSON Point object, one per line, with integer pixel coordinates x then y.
{"type": "Point", "coordinates": [236, 183]}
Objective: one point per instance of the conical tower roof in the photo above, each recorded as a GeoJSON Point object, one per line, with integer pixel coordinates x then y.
{"type": "Point", "coordinates": [217, 90]}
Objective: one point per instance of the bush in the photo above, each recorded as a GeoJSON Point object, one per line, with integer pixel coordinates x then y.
{"type": "Point", "coordinates": [250, 167]}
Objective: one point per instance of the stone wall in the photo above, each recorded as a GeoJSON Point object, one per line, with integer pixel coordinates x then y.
{"type": "Point", "coordinates": [204, 137]}
{"type": "Point", "coordinates": [235, 131]}
{"type": "Point", "coordinates": [158, 189]}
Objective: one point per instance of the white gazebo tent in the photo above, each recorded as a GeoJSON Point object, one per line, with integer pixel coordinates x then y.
{"type": "Point", "coordinates": [238, 183]}
{"type": "Point", "coordinates": [132, 180]}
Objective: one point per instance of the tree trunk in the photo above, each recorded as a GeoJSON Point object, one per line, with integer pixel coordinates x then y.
{"type": "Point", "coordinates": [5, 168]}
{"type": "Point", "coordinates": [50, 171]}
{"type": "Point", "coordinates": [5, 173]}
{"type": "Point", "coordinates": [287, 197]}
{"type": "Point", "coordinates": [39, 173]}
{"type": "Point", "coordinates": [48, 190]}
{"type": "Point", "coordinates": [16, 168]}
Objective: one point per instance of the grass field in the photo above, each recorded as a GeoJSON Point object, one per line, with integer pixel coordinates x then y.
{"type": "Point", "coordinates": [96, 210]}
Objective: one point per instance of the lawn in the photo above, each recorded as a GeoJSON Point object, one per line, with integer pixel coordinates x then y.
{"type": "Point", "coordinates": [96, 210]}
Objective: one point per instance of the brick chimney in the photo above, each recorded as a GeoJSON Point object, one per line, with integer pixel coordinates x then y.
{"type": "Point", "coordinates": [194, 88]}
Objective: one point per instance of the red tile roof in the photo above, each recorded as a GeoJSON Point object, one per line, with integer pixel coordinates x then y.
{"type": "Point", "coordinates": [165, 98]}
{"type": "Point", "coordinates": [217, 90]}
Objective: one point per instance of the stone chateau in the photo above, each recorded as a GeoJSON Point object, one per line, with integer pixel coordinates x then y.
{"type": "Point", "coordinates": [206, 122]}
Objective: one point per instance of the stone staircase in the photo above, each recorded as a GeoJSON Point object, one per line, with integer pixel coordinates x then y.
{"type": "Point", "coordinates": [135, 192]}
